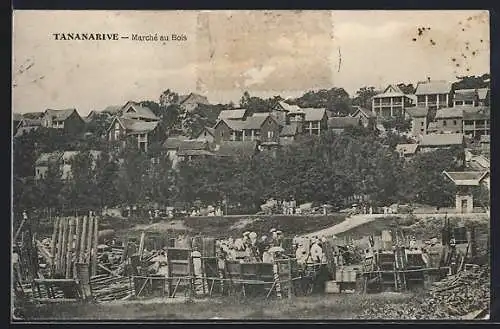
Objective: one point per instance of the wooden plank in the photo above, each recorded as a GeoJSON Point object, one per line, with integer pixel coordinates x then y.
{"type": "Point", "coordinates": [83, 240]}
{"type": "Point", "coordinates": [69, 253]}
{"type": "Point", "coordinates": [56, 300]}
{"type": "Point", "coordinates": [94, 246]}
{"type": "Point", "coordinates": [53, 280]}
{"type": "Point", "coordinates": [141, 244]}
{"type": "Point", "coordinates": [59, 246]}
{"type": "Point", "coordinates": [53, 245]}
{"type": "Point", "coordinates": [78, 232]}
{"type": "Point", "coordinates": [64, 245]}
{"type": "Point", "coordinates": [89, 237]}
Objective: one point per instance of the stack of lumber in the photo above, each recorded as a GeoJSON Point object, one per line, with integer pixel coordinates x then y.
{"type": "Point", "coordinates": [456, 297]}
{"type": "Point", "coordinates": [107, 288]}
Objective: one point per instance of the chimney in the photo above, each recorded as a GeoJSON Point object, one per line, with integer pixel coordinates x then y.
{"type": "Point", "coordinates": [428, 79]}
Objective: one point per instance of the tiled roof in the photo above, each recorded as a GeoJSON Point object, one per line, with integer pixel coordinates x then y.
{"type": "Point", "coordinates": [441, 139]}
{"type": "Point", "coordinates": [137, 126]}
{"type": "Point", "coordinates": [342, 122]}
{"type": "Point", "coordinates": [465, 95]}
{"type": "Point", "coordinates": [290, 130]}
{"type": "Point", "coordinates": [232, 114]}
{"type": "Point", "coordinates": [193, 144]}
{"type": "Point", "coordinates": [25, 129]}
{"type": "Point", "coordinates": [287, 107]}
{"type": "Point", "coordinates": [406, 148]}
{"type": "Point", "coordinates": [391, 91]}
{"type": "Point", "coordinates": [141, 112]}
{"type": "Point", "coordinates": [33, 115]}
{"type": "Point", "coordinates": [433, 87]}
{"type": "Point", "coordinates": [417, 112]}
{"type": "Point", "coordinates": [59, 115]}
{"type": "Point", "coordinates": [255, 122]}
{"type": "Point", "coordinates": [449, 112]}
{"type": "Point", "coordinates": [466, 177]}
{"type": "Point", "coordinates": [113, 109]}
{"type": "Point", "coordinates": [173, 142]}
{"type": "Point", "coordinates": [31, 122]}
{"type": "Point", "coordinates": [365, 112]}
{"type": "Point", "coordinates": [477, 113]}
{"type": "Point", "coordinates": [237, 148]}
{"type": "Point", "coordinates": [313, 114]}
{"type": "Point", "coordinates": [236, 125]}
{"type": "Point", "coordinates": [193, 98]}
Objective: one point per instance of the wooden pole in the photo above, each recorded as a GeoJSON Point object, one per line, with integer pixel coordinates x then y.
{"type": "Point", "coordinates": [83, 240]}
{"type": "Point", "coordinates": [94, 246]}
{"type": "Point", "coordinates": [141, 244]}
{"type": "Point", "coordinates": [69, 253]}
{"type": "Point", "coordinates": [53, 246]}
{"type": "Point", "coordinates": [76, 254]}
{"type": "Point", "coordinates": [64, 245]}
{"type": "Point", "coordinates": [89, 239]}
{"type": "Point", "coordinates": [59, 245]}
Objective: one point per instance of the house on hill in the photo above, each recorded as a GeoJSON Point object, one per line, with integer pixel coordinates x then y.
{"type": "Point", "coordinates": [135, 111]}
{"type": "Point", "coordinates": [141, 133]}
{"type": "Point", "coordinates": [432, 142]}
{"type": "Point", "coordinates": [465, 181]}
{"type": "Point", "coordinates": [312, 121]}
{"type": "Point", "coordinates": [366, 117]}
{"type": "Point", "coordinates": [262, 128]}
{"type": "Point", "coordinates": [206, 134]}
{"type": "Point", "coordinates": [190, 102]}
{"type": "Point", "coordinates": [476, 121]}
{"type": "Point", "coordinates": [449, 120]}
{"type": "Point", "coordinates": [419, 120]}
{"type": "Point", "coordinates": [236, 114]}
{"type": "Point", "coordinates": [339, 124]}
{"type": "Point", "coordinates": [391, 102]}
{"type": "Point", "coordinates": [465, 97]}
{"type": "Point", "coordinates": [406, 150]}
{"type": "Point", "coordinates": [68, 120]}
{"type": "Point", "coordinates": [433, 94]}
{"type": "Point", "coordinates": [62, 159]}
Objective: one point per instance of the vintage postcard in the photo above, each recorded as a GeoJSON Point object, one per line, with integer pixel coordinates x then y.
{"type": "Point", "coordinates": [250, 165]}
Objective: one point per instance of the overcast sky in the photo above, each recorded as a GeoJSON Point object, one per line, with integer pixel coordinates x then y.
{"type": "Point", "coordinates": [227, 52]}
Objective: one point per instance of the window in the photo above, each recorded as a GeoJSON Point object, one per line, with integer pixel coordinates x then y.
{"type": "Point", "coordinates": [444, 123]}
{"type": "Point", "coordinates": [469, 102]}
{"type": "Point", "coordinates": [270, 134]}
{"type": "Point", "coordinates": [455, 122]}
{"type": "Point", "coordinates": [422, 123]}
{"type": "Point", "coordinates": [422, 130]}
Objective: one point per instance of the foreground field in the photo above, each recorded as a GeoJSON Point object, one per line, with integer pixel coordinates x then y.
{"type": "Point", "coordinates": [313, 307]}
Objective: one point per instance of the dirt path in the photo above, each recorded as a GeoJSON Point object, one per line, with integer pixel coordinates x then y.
{"type": "Point", "coordinates": [356, 220]}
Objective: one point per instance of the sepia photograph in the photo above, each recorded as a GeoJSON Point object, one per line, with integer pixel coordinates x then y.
{"type": "Point", "coordinates": [250, 165]}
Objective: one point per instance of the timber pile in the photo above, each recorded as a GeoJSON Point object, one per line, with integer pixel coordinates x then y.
{"type": "Point", "coordinates": [455, 297]}
{"type": "Point", "coordinates": [107, 288]}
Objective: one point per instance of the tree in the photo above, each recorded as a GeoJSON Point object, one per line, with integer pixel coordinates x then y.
{"type": "Point", "coordinates": [82, 189]}
{"type": "Point", "coordinates": [398, 123]}
{"type": "Point", "coordinates": [106, 180]}
{"type": "Point", "coordinates": [167, 98]}
{"type": "Point", "coordinates": [407, 89]}
{"type": "Point", "coordinates": [364, 97]}
{"type": "Point", "coordinates": [52, 187]}
{"type": "Point", "coordinates": [335, 100]}
{"type": "Point", "coordinates": [154, 107]}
